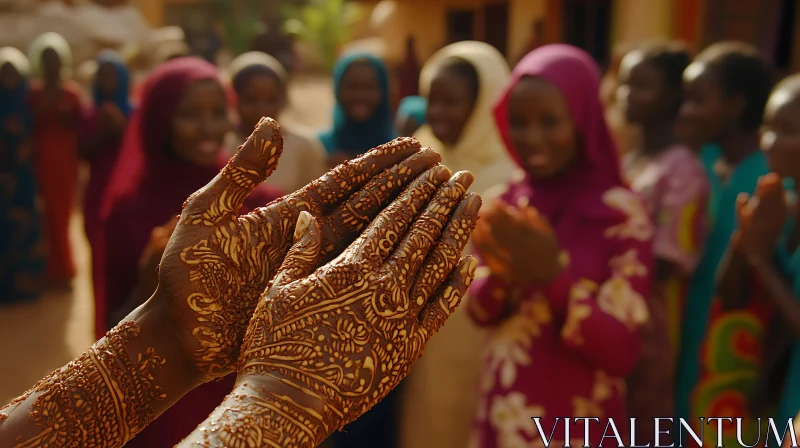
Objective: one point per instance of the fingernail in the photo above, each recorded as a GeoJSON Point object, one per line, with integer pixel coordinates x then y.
{"type": "Point", "coordinates": [468, 270]}
{"type": "Point", "coordinates": [442, 172]}
{"type": "Point", "coordinates": [303, 221]}
{"type": "Point", "coordinates": [464, 178]}
{"type": "Point", "coordinates": [474, 202]}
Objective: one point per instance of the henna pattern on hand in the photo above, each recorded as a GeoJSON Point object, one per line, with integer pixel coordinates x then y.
{"type": "Point", "coordinates": [345, 335]}
{"type": "Point", "coordinates": [101, 399]}
{"type": "Point", "coordinates": [219, 263]}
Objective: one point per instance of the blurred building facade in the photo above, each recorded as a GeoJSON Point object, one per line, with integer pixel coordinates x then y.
{"type": "Point", "coordinates": [515, 26]}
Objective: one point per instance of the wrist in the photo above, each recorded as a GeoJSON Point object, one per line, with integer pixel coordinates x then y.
{"type": "Point", "coordinates": [159, 330]}
{"type": "Point", "coordinates": [291, 416]}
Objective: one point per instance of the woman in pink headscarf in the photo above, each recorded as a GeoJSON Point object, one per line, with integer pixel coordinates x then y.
{"type": "Point", "coordinates": [171, 147]}
{"type": "Point", "coordinates": [567, 256]}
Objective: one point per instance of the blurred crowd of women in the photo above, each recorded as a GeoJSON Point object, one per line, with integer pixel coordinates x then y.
{"type": "Point", "coordinates": [656, 281]}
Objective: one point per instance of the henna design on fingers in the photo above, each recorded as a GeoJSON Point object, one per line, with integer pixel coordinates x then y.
{"type": "Point", "coordinates": [345, 335]}
{"type": "Point", "coordinates": [441, 261]}
{"type": "Point", "coordinates": [219, 263]}
{"type": "Point", "coordinates": [102, 398]}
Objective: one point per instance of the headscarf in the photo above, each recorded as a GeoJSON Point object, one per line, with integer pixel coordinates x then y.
{"type": "Point", "coordinates": [144, 157]}
{"type": "Point", "coordinates": [14, 102]}
{"type": "Point", "coordinates": [254, 62]}
{"type": "Point", "coordinates": [579, 191]}
{"type": "Point", "coordinates": [347, 135]}
{"type": "Point", "coordinates": [414, 107]}
{"type": "Point", "coordinates": [57, 43]}
{"type": "Point", "coordinates": [121, 97]}
{"type": "Point", "coordinates": [479, 146]}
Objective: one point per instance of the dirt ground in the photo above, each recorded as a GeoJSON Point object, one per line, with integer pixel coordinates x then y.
{"type": "Point", "coordinates": [39, 337]}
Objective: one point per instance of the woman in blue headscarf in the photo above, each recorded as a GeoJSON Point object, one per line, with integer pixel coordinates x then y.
{"type": "Point", "coordinates": [362, 117]}
{"type": "Point", "coordinates": [22, 256]}
{"type": "Point", "coordinates": [410, 115]}
{"type": "Point", "coordinates": [102, 134]}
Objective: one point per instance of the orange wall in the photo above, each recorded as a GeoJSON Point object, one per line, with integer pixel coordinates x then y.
{"type": "Point", "coordinates": [426, 20]}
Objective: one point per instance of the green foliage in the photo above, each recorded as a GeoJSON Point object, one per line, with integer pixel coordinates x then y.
{"type": "Point", "coordinates": [323, 23]}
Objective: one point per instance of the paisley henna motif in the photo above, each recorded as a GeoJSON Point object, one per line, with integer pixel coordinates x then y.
{"type": "Point", "coordinates": [346, 334]}
{"type": "Point", "coordinates": [101, 399]}
{"type": "Point", "coordinates": [220, 262]}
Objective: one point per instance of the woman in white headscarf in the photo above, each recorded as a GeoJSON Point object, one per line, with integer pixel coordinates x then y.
{"type": "Point", "coordinates": [57, 113]}
{"type": "Point", "coordinates": [261, 86]}
{"type": "Point", "coordinates": [461, 82]}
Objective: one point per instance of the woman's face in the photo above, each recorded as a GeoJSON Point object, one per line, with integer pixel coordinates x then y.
{"type": "Point", "coordinates": [703, 111]}
{"type": "Point", "coordinates": [780, 134]}
{"type": "Point", "coordinates": [51, 64]}
{"type": "Point", "coordinates": [107, 80]}
{"type": "Point", "coordinates": [10, 79]}
{"type": "Point", "coordinates": [450, 103]}
{"type": "Point", "coordinates": [360, 91]}
{"type": "Point", "coordinates": [262, 95]}
{"type": "Point", "coordinates": [200, 123]}
{"type": "Point", "coordinates": [541, 128]}
{"type": "Point", "coordinates": [641, 90]}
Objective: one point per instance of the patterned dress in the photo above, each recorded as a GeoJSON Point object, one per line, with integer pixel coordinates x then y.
{"type": "Point", "coordinates": [675, 188]}
{"type": "Point", "coordinates": [720, 357]}
{"type": "Point", "coordinates": [566, 349]}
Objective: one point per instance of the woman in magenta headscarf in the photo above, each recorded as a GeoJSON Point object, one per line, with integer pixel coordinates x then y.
{"type": "Point", "coordinates": [567, 255]}
{"type": "Point", "coordinates": [171, 148]}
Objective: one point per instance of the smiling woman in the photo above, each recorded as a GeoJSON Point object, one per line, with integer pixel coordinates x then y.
{"type": "Point", "coordinates": [362, 118]}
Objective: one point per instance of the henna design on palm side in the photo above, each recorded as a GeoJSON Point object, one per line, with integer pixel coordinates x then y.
{"type": "Point", "coordinates": [346, 334]}
{"type": "Point", "coordinates": [219, 263]}
{"type": "Point", "coordinates": [102, 398]}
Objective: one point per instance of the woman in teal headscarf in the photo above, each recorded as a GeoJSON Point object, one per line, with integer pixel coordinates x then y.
{"type": "Point", "coordinates": [362, 117]}
{"type": "Point", "coordinates": [410, 115]}
{"type": "Point", "coordinates": [22, 261]}
{"type": "Point", "coordinates": [726, 89]}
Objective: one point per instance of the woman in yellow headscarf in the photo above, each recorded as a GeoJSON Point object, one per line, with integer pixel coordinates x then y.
{"type": "Point", "coordinates": [57, 112]}
{"type": "Point", "coordinates": [461, 82]}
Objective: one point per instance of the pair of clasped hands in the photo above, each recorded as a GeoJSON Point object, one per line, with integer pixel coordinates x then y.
{"type": "Point", "coordinates": [364, 260]}
{"type": "Point", "coordinates": [762, 218]}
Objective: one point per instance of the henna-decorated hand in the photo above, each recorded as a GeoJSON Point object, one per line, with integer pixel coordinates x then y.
{"type": "Point", "coordinates": [218, 263]}
{"type": "Point", "coordinates": [332, 342]}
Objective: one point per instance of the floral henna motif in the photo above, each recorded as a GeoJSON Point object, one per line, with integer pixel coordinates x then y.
{"type": "Point", "coordinates": [229, 259]}
{"type": "Point", "coordinates": [348, 333]}
{"type": "Point", "coordinates": [103, 398]}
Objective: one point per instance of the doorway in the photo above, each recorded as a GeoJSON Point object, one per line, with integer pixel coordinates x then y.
{"type": "Point", "coordinates": [495, 26]}
{"type": "Point", "coordinates": [460, 25]}
{"type": "Point", "coordinates": [587, 25]}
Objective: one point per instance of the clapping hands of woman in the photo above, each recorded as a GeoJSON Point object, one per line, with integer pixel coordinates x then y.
{"type": "Point", "coordinates": [518, 244]}
{"type": "Point", "coordinates": [326, 344]}
{"type": "Point", "coordinates": [396, 284]}
{"type": "Point", "coordinates": [762, 218]}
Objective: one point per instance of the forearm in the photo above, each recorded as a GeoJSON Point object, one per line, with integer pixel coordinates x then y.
{"type": "Point", "coordinates": [108, 394]}
{"type": "Point", "coordinates": [262, 411]}
{"type": "Point", "coordinates": [779, 290]}
{"type": "Point", "coordinates": [732, 275]}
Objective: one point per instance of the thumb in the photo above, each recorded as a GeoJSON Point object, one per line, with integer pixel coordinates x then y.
{"type": "Point", "coordinates": [303, 256]}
